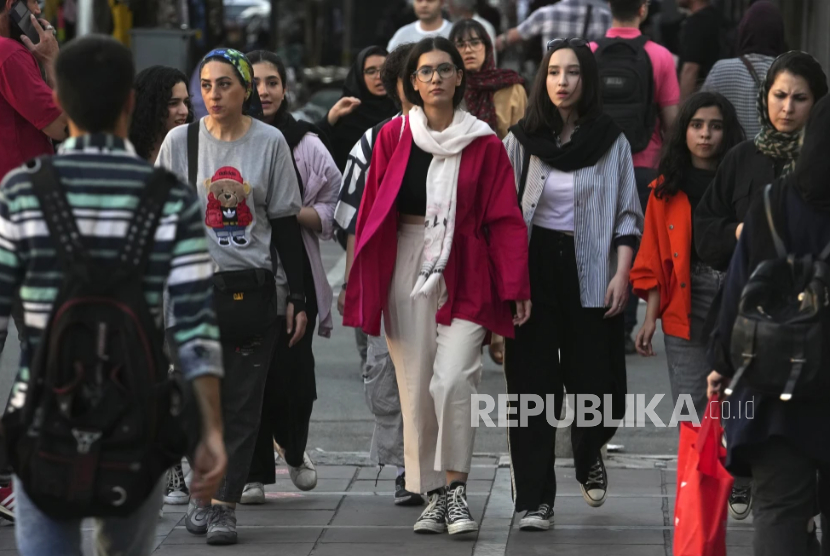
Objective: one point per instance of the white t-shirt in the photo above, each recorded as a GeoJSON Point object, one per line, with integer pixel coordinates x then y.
{"type": "Point", "coordinates": [555, 208]}
{"type": "Point", "coordinates": [414, 33]}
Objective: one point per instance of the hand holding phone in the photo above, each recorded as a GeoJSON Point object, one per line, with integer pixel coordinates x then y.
{"type": "Point", "coordinates": [46, 49]}
{"type": "Point", "coordinates": [22, 17]}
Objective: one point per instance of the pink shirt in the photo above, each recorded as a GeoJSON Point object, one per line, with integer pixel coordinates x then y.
{"type": "Point", "coordinates": [666, 91]}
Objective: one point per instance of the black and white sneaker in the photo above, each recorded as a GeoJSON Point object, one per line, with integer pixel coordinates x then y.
{"type": "Point", "coordinates": [434, 518]}
{"type": "Point", "coordinates": [537, 520]}
{"type": "Point", "coordinates": [459, 518]}
{"type": "Point", "coordinates": [196, 520]}
{"type": "Point", "coordinates": [740, 502]}
{"type": "Point", "coordinates": [176, 492]}
{"type": "Point", "coordinates": [595, 488]}
{"type": "Point", "coordinates": [403, 497]}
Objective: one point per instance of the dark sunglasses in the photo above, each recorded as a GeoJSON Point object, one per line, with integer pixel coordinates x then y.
{"type": "Point", "coordinates": [556, 44]}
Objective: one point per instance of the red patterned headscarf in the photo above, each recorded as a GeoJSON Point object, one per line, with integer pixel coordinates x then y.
{"type": "Point", "coordinates": [483, 84]}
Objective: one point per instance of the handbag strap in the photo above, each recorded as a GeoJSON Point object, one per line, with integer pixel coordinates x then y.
{"type": "Point", "coordinates": [587, 21]}
{"type": "Point", "coordinates": [751, 69]}
{"type": "Point", "coordinates": [193, 152]}
{"type": "Point", "coordinates": [776, 239]}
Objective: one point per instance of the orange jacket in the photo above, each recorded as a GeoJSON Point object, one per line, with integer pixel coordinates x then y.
{"type": "Point", "coordinates": [664, 260]}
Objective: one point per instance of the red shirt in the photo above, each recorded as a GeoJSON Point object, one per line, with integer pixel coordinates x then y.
{"type": "Point", "coordinates": [26, 107]}
{"type": "Point", "coordinates": [487, 267]}
{"type": "Point", "coordinates": [666, 91]}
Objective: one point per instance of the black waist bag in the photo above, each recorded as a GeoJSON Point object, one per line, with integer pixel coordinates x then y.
{"type": "Point", "coordinates": [781, 337]}
{"type": "Point", "coordinates": [99, 419]}
{"type": "Point", "coordinates": [246, 302]}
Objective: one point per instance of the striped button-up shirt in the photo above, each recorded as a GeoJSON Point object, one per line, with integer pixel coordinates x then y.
{"type": "Point", "coordinates": [567, 19]}
{"type": "Point", "coordinates": [103, 179]}
{"type": "Point", "coordinates": [732, 79]}
{"type": "Point", "coordinates": [606, 207]}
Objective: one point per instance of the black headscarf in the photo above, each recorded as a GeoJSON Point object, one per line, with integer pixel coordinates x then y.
{"type": "Point", "coordinates": [812, 171]}
{"type": "Point", "coordinates": [589, 142]}
{"type": "Point", "coordinates": [761, 30]}
{"type": "Point", "coordinates": [373, 109]}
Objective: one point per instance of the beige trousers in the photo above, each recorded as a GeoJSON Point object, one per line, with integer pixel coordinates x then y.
{"type": "Point", "coordinates": [438, 370]}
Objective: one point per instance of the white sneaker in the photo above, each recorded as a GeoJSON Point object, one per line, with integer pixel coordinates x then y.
{"type": "Point", "coordinates": [254, 493]}
{"type": "Point", "coordinates": [304, 477]}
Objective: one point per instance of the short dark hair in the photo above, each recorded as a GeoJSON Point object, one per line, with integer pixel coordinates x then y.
{"type": "Point", "coordinates": [393, 69]}
{"type": "Point", "coordinates": [542, 113]}
{"type": "Point", "coordinates": [676, 160]}
{"type": "Point", "coordinates": [94, 80]}
{"type": "Point", "coordinates": [470, 27]}
{"type": "Point", "coordinates": [259, 56]}
{"type": "Point", "coordinates": [625, 10]}
{"type": "Point", "coordinates": [428, 45]}
{"type": "Point", "coordinates": [800, 64]}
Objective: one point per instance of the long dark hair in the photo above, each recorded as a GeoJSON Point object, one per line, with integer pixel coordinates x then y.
{"type": "Point", "coordinates": [542, 113]}
{"type": "Point", "coordinates": [676, 160]}
{"type": "Point", "coordinates": [428, 45]}
{"type": "Point", "coordinates": [153, 90]}
{"type": "Point", "coordinates": [258, 56]}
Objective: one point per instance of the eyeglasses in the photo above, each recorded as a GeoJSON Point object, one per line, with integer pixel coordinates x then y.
{"type": "Point", "coordinates": [372, 72]}
{"type": "Point", "coordinates": [556, 44]}
{"type": "Point", "coordinates": [473, 44]}
{"type": "Point", "coordinates": [445, 71]}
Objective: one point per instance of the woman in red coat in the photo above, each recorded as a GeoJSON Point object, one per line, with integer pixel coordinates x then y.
{"type": "Point", "coordinates": [441, 252]}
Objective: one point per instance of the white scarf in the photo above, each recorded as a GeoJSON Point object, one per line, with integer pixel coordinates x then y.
{"type": "Point", "coordinates": [442, 187]}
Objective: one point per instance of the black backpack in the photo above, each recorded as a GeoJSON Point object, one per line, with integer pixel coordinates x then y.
{"type": "Point", "coordinates": [101, 419]}
{"type": "Point", "coordinates": [627, 82]}
{"type": "Point", "coordinates": [781, 338]}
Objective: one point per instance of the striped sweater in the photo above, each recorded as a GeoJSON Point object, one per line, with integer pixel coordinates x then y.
{"type": "Point", "coordinates": [103, 179]}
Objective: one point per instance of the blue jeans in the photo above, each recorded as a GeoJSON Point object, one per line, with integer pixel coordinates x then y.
{"type": "Point", "coordinates": [39, 535]}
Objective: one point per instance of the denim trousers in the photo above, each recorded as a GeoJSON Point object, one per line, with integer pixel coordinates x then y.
{"type": "Point", "coordinates": [39, 535]}
{"type": "Point", "coordinates": [688, 364]}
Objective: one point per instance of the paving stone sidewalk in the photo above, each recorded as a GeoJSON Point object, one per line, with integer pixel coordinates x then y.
{"type": "Point", "coordinates": [350, 514]}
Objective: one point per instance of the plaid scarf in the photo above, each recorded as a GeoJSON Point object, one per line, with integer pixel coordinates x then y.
{"type": "Point", "coordinates": [773, 143]}
{"type": "Point", "coordinates": [483, 84]}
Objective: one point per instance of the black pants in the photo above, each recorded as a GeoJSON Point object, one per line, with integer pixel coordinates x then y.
{"type": "Point", "coordinates": [789, 488]}
{"type": "Point", "coordinates": [290, 392]}
{"type": "Point", "coordinates": [562, 345]}
{"type": "Point", "coordinates": [643, 177]}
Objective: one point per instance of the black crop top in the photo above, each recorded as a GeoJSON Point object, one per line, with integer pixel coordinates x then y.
{"type": "Point", "coordinates": [412, 198]}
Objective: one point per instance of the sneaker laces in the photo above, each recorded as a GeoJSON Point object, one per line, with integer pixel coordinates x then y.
{"type": "Point", "coordinates": [222, 516]}
{"type": "Point", "coordinates": [542, 512]}
{"type": "Point", "coordinates": [175, 478]}
{"type": "Point", "coordinates": [458, 509]}
{"type": "Point", "coordinates": [740, 495]}
{"type": "Point", "coordinates": [435, 511]}
{"type": "Point", "coordinates": [596, 476]}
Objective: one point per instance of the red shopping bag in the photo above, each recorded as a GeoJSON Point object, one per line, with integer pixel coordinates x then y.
{"type": "Point", "coordinates": [703, 487]}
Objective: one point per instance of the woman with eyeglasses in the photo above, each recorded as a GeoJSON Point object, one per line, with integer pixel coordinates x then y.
{"type": "Point", "coordinates": [579, 200]}
{"type": "Point", "coordinates": [495, 96]}
{"type": "Point", "coordinates": [364, 105]}
{"type": "Point", "coordinates": [442, 253]}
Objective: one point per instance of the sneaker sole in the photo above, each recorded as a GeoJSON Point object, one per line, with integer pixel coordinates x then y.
{"type": "Point", "coordinates": [590, 501]}
{"type": "Point", "coordinates": [463, 527]}
{"type": "Point", "coordinates": [6, 514]}
{"type": "Point", "coordinates": [222, 539]}
{"type": "Point", "coordinates": [195, 530]}
{"type": "Point", "coordinates": [252, 501]}
{"type": "Point", "coordinates": [409, 500]}
{"type": "Point", "coordinates": [177, 500]}
{"type": "Point", "coordinates": [430, 528]}
{"type": "Point", "coordinates": [535, 524]}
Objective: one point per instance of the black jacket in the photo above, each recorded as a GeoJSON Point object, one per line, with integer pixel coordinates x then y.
{"type": "Point", "coordinates": [741, 177]}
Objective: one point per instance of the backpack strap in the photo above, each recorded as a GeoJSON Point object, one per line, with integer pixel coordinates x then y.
{"type": "Point", "coordinates": [58, 213]}
{"type": "Point", "coordinates": [751, 70]}
{"type": "Point", "coordinates": [193, 152]}
{"type": "Point", "coordinates": [798, 359]}
{"type": "Point", "coordinates": [587, 21]}
{"type": "Point", "coordinates": [142, 229]}
{"type": "Point", "coordinates": [523, 178]}
{"type": "Point", "coordinates": [776, 239]}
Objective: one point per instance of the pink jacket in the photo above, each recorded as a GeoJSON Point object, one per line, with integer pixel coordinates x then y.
{"type": "Point", "coordinates": [488, 265]}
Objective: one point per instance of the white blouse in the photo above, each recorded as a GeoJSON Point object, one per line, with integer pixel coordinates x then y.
{"type": "Point", "coordinates": [555, 208]}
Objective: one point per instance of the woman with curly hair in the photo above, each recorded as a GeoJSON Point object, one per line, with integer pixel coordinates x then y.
{"type": "Point", "coordinates": [668, 272]}
{"type": "Point", "coordinates": [162, 102]}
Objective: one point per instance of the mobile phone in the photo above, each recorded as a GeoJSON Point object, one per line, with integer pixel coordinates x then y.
{"type": "Point", "coordinates": [22, 17]}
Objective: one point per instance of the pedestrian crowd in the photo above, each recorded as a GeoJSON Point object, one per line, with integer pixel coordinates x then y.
{"type": "Point", "coordinates": [476, 209]}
